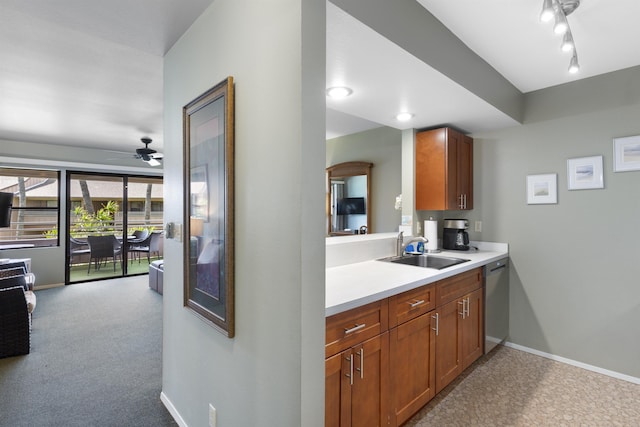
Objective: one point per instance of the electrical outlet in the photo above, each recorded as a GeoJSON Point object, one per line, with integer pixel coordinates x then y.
{"type": "Point", "coordinates": [212, 416]}
{"type": "Point", "coordinates": [479, 226]}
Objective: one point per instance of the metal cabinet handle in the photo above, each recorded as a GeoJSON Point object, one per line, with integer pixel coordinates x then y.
{"type": "Point", "coordinates": [350, 374]}
{"type": "Point", "coordinates": [360, 354]}
{"type": "Point", "coordinates": [355, 328]}
{"type": "Point", "coordinates": [416, 303]}
{"type": "Point", "coordinates": [464, 310]}
{"type": "Point", "coordinates": [437, 317]}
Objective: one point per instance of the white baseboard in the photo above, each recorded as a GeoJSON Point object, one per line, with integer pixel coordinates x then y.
{"type": "Point", "coordinates": [172, 410]}
{"type": "Point", "coordinates": [571, 362]}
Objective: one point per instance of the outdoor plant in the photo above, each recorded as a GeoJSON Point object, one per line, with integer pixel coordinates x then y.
{"type": "Point", "coordinates": [100, 222]}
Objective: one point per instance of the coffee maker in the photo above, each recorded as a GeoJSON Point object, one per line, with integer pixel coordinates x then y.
{"type": "Point", "coordinates": [454, 235]}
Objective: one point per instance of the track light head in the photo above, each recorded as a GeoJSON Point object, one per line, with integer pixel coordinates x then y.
{"type": "Point", "coordinates": [567, 42]}
{"type": "Point", "coordinates": [574, 67]}
{"type": "Point", "coordinates": [548, 11]}
{"type": "Point", "coordinates": [561, 26]}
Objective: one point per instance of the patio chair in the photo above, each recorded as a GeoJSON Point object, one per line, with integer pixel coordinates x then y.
{"type": "Point", "coordinates": [101, 249]}
{"type": "Point", "coordinates": [151, 245]}
{"type": "Point", "coordinates": [139, 237]}
{"type": "Point", "coordinates": [77, 248]}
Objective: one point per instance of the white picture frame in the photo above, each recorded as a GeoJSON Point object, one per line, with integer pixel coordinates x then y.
{"type": "Point", "coordinates": [542, 189]}
{"type": "Point", "coordinates": [585, 173]}
{"type": "Point", "coordinates": [626, 154]}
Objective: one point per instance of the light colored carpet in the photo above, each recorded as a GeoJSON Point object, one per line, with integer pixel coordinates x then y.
{"type": "Point", "coordinates": [96, 359]}
{"type": "Point", "coordinates": [509, 387]}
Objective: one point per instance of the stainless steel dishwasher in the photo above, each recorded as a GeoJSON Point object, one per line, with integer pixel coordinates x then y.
{"type": "Point", "coordinates": [496, 303]}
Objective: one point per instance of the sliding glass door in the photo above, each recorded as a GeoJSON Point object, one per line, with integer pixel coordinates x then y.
{"type": "Point", "coordinates": [111, 221]}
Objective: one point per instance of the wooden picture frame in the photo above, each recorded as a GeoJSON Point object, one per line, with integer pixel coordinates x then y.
{"type": "Point", "coordinates": [208, 123]}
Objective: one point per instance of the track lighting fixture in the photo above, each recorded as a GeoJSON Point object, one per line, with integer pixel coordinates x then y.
{"type": "Point", "coordinates": [559, 10]}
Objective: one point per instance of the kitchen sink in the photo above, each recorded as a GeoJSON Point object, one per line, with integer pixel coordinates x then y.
{"type": "Point", "coordinates": [427, 261]}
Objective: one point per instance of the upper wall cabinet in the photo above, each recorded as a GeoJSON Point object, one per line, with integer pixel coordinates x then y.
{"type": "Point", "coordinates": [444, 170]}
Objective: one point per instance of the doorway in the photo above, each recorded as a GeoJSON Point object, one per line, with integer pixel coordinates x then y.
{"type": "Point", "coordinates": [114, 225]}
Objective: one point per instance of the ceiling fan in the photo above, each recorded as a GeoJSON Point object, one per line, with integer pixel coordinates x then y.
{"type": "Point", "coordinates": [148, 155]}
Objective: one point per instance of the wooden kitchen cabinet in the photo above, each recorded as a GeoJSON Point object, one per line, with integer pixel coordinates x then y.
{"type": "Point", "coordinates": [412, 369]}
{"type": "Point", "coordinates": [357, 367]}
{"type": "Point", "coordinates": [411, 351]}
{"type": "Point", "coordinates": [459, 336]}
{"type": "Point", "coordinates": [444, 170]}
{"type": "Point", "coordinates": [357, 384]}
{"type": "Point", "coordinates": [385, 360]}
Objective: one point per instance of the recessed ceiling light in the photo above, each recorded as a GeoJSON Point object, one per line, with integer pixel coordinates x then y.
{"type": "Point", "coordinates": [339, 92]}
{"type": "Point", "coordinates": [404, 116]}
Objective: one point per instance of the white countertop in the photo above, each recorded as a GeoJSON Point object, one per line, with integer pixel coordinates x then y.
{"type": "Point", "coordinates": [352, 285]}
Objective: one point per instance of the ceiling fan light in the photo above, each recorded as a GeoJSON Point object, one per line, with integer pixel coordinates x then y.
{"type": "Point", "coordinates": [574, 67]}
{"type": "Point", "coordinates": [567, 42]}
{"type": "Point", "coordinates": [561, 26]}
{"type": "Point", "coordinates": [548, 11]}
{"type": "Point", "coordinates": [339, 92]}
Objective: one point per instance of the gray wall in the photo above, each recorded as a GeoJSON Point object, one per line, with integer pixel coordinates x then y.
{"type": "Point", "coordinates": [48, 264]}
{"type": "Point", "coordinates": [575, 278]}
{"type": "Point", "coordinates": [382, 147]}
{"type": "Point", "coordinates": [272, 372]}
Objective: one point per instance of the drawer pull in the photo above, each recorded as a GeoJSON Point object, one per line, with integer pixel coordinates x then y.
{"type": "Point", "coordinates": [357, 327]}
{"type": "Point", "coordinates": [416, 303]}
{"type": "Point", "coordinates": [464, 311]}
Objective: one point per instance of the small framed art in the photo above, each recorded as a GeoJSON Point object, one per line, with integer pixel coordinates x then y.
{"type": "Point", "coordinates": [626, 154]}
{"type": "Point", "coordinates": [585, 173]}
{"type": "Point", "coordinates": [542, 189]}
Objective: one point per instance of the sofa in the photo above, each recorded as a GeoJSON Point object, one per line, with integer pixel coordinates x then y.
{"type": "Point", "coordinates": [156, 272]}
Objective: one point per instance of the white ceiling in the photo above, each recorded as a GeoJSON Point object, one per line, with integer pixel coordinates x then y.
{"type": "Point", "coordinates": [89, 72]}
{"type": "Point", "coordinates": [506, 33]}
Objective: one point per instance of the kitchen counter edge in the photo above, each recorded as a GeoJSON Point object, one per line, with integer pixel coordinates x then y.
{"type": "Point", "coordinates": [354, 285]}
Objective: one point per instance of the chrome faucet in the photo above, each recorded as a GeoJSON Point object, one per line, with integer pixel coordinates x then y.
{"type": "Point", "coordinates": [400, 245]}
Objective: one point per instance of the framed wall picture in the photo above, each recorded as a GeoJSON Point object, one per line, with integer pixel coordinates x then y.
{"type": "Point", "coordinates": [626, 154]}
{"type": "Point", "coordinates": [209, 206]}
{"type": "Point", "coordinates": [542, 189]}
{"type": "Point", "coordinates": [585, 173]}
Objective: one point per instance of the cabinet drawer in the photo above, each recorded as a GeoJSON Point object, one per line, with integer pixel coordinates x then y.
{"type": "Point", "coordinates": [351, 327]}
{"type": "Point", "coordinates": [411, 304]}
{"type": "Point", "coordinates": [454, 287]}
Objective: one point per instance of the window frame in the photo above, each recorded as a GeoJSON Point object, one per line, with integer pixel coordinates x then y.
{"type": "Point", "coordinates": [43, 241]}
